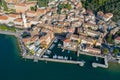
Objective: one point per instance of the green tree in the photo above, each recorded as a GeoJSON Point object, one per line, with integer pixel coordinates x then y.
{"type": "Point", "coordinates": [110, 39]}
{"type": "Point", "coordinates": [105, 51]}
{"type": "Point", "coordinates": [42, 3]}
{"type": "Point", "coordinates": [115, 51]}
{"type": "Point", "coordinates": [118, 33]}
{"type": "Point", "coordinates": [4, 4]}
{"type": "Point", "coordinates": [104, 5]}
{"type": "Point", "coordinates": [32, 8]}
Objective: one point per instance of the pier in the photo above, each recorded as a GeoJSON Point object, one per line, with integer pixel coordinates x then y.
{"type": "Point", "coordinates": [89, 54]}
{"type": "Point", "coordinates": [36, 58]}
{"type": "Point", "coordinates": [81, 63]}
{"type": "Point", "coordinates": [101, 65]}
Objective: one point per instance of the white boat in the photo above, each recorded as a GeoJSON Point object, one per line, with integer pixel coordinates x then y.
{"type": "Point", "coordinates": [70, 58]}
{"type": "Point", "coordinates": [66, 58]}
{"type": "Point", "coordinates": [52, 46]}
{"type": "Point", "coordinates": [38, 54]}
{"type": "Point", "coordinates": [45, 56]}
{"type": "Point", "coordinates": [96, 58]}
{"type": "Point", "coordinates": [48, 52]}
{"type": "Point", "coordinates": [55, 56]}
{"type": "Point", "coordinates": [59, 45]}
{"type": "Point", "coordinates": [56, 40]}
{"type": "Point", "coordinates": [63, 50]}
{"type": "Point", "coordinates": [60, 57]}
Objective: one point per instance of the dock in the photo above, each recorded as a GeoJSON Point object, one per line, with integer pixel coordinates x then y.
{"type": "Point", "coordinates": [80, 63]}
{"type": "Point", "coordinates": [89, 54]}
{"type": "Point", "coordinates": [95, 65]}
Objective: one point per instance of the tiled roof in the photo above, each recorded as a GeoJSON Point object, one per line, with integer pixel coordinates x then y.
{"type": "Point", "coordinates": [118, 38]}
{"type": "Point", "coordinates": [67, 40]}
{"type": "Point", "coordinates": [13, 15]}
{"type": "Point", "coordinates": [108, 15]}
{"type": "Point", "coordinates": [18, 20]}
{"type": "Point", "coordinates": [100, 13]}
{"type": "Point", "coordinates": [3, 17]}
{"type": "Point", "coordinates": [21, 4]}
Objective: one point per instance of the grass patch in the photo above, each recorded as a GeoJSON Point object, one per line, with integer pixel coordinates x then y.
{"type": "Point", "coordinates": [43, 3]}
{"type": "Point", "coordinates": [6, 28]}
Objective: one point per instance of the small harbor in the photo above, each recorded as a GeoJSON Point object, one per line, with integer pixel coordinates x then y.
{"type": "Point", "coordinates": [26, 67]}
{"type": "Point", "coordinates": [55, 53]}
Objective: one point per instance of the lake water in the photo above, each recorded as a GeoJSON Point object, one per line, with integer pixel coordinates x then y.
{"type": "Point", "coordinates": [13, 67]}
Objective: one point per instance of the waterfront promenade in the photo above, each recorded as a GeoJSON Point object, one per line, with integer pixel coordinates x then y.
{"type": "Point", "coordinates": [81, 63]}
{"type": "Point", "coordinates": [9, 33]}
{"type": "Point", "coordinates": [105, 65]}
{"type": "Point", "coordinates": [36, 58]}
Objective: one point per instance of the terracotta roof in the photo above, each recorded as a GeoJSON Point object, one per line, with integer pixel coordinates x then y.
{"type": "Point", "coordinates": [74, 36]}
{"type": "Point", "coordinates": [3, 17]}
{"type": "Point", "coordinates": [18, 20]}
{"type": "Point", "coordinates": [25, 4]}
{"type": "Point", "coordinates": [79, 5]}
{"type": "Point", "coordinates": [94, 50]}
{"type": "Point", "coordinates": [21, 4]}
{"type": "Point", "coordinates": [29, 18]}
{"type": "Point", "coordinates": [32, 2]}
{"type": "Point", "coordinates": [12, 1]}
{"type": "Point", "coordinates": [25, 40]}
{"type": "Point", "coordinates": [108, 15]}
{"type": "Point", "coordinates": [34, 38]}
{"type": "Point", "coordinates": [73, 0]}
{"type": "Point", "coordinates": [41, 10]}
{"type": "Point", "coordinates": [90, 12]}
{"type": "Point", "coordinates": [90, 24]}
{"type": "Point", "coordinates": [66, 40]}
{"type": "Point", "coordinates": [118, 38]}
{"type": "Point", "coordinates": [100, 13]}
{"type": "Point", "coordinates": [48, 9]}
{"type": "Point", "coordinates": [13, 15]}
{"type": "Point", "coordinates": [91, 31]}
{"type": "Point", "coordinates": [32, 12]}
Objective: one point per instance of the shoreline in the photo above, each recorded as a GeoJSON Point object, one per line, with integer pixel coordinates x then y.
{"type": "Point", "coordinates": [28, 66]}
{"type": "Point", "coordinates": [22, 52]}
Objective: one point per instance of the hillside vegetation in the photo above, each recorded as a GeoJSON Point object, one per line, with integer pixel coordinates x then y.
{"type": "Point", "coordinates": [112, 6]}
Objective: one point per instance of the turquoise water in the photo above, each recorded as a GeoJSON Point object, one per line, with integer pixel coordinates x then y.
{"type": "Point", "coordinates": [13, 67]}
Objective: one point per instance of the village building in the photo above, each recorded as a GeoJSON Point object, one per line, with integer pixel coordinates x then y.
{"type": "Point", "coordinates": [31, 13]}
{"type": "Point", "coordinates": [100, 14]}
{"type": "Point", "coordinates": [18, 22]}
{"type": "Point", "coordinates": [23, 7]}
{"type": "Point", "coordinates": [90, 25]}
{"type": "Point", "coordinates": [107, 16]}
{"type": "Point", "coordinates": [69, 44]}
{"type": "Point", "coordinates": [93, 51]}
{"type": "Point", "coordinates": [46, 36]}
{"type": "Point", "coordinates": [4, 19]}
{"type": "Point", "coordinates": [11, 3]}
{"type": "Point", "coordinates": [117, 40]}
{"type": "Point", "coordinates": [12, 17]}
{"type": "Point", "coordinates": [92, 33]}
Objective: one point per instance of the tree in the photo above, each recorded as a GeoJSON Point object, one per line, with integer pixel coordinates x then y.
{"type": "Point", "coordinates": [4, 4]}
{"type": "Point", "coordinates": [104, 5]}
{"type": "Point", "coordinates": [32, 8]}
{"type": "Point", "coordinates": [116, 51]}
{"type": "Point", "coordinates": [105, 51]}
{"type": "Point", "coordinates": [42, 3]}
{"type": "Point", "coordinates": [118, 33]}
{"type": "Point", "coordinates": [110, 39]}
